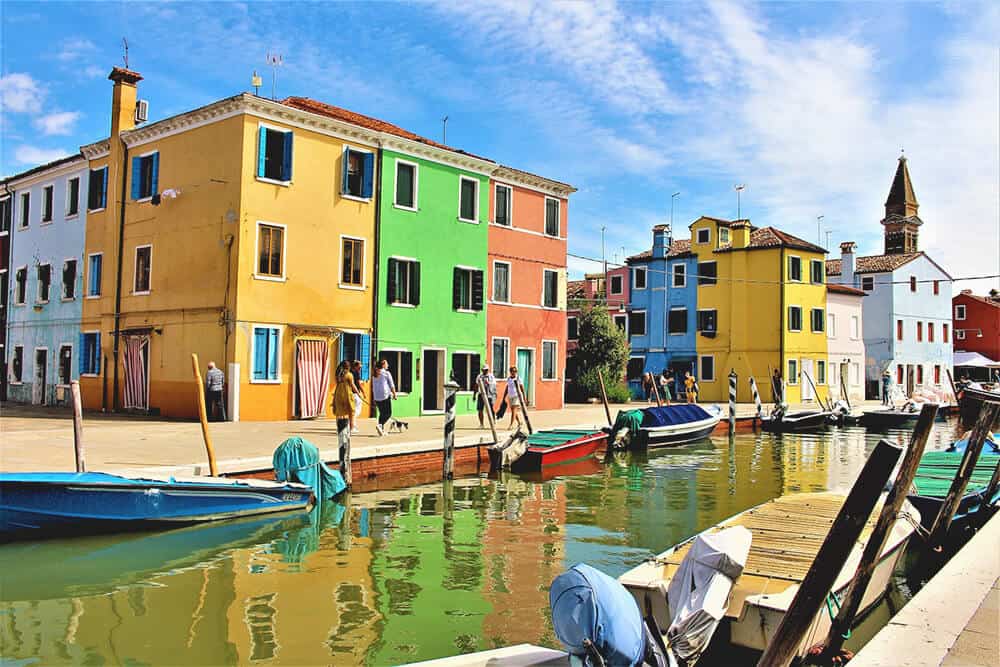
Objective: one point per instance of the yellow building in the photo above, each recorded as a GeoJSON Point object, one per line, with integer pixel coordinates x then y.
{"type": "Point", "coordinates": [238, 243]}
{"type": "Point", "coordinates": [761, 307]}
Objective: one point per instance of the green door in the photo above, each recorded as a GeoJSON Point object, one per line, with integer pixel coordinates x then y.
{"type": "Point", "coordinates": [526, 371]}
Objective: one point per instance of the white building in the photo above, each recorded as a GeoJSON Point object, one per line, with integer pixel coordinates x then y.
{"type": "Point", "coordinates": [845, 344]}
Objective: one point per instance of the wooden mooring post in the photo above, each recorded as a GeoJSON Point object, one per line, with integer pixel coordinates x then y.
{"type": "Point", "coordinates": [212, 469]}
{"type": "Point", "coordinates": [524, 407]}
{"type": "Point", "coordinates": [74, 390]}
{"type": "Point", "coordinates": [488, 408]}
{"type": "Point", "coordinates": [832, 554]}
{"type": "Point", "coordinates": [604, 397]}
{"type": "Point", "coordinates": [448, 459]}
{"type": "Point", "coordinates": [756, 399]}
{"type": "Point", "coordinates": [876, 541]}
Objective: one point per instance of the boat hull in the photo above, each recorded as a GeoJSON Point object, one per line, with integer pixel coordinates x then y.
{"type": "Point", "coordinates": [797, 422]}
{"type": "Point", "coordinates": [653, 438]}
{"type": "Point", "coordinates": [536, 458]}
{"type": "Point", "coordinates": [879, 419]}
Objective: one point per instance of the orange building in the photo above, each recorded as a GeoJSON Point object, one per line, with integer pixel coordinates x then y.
{"type": "Point", "coordinates": [526, 312]}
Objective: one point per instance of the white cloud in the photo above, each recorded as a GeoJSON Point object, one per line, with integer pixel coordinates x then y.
{"type": "Point", "coordinates": [20, 93]}
{"type": "Point", "coordinates": [94, 71]}
{"type": "Point", "coordinates": [74, 49]}
{"type": "Point", "coordinates": [34, 155]}
{"type": "Point", "coordinates": [60, 122]}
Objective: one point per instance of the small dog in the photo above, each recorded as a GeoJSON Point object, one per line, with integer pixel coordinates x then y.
{"type": "Point", "coordinates": [397, 426]}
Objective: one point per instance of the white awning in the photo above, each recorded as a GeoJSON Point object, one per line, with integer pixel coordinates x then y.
{"type": "Point", "coordinates": [974, 360]}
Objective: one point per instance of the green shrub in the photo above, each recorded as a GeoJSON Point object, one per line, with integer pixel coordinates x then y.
{"type": "Point", "coordinates": [618, 393]}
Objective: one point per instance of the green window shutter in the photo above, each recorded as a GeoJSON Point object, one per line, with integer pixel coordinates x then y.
{"type": "Point", "coordinates": [286, 159]}
{"type": "Point", "coordinates": [367, 175]}
{"type": "Point", "coordinates": [477, 290]}
{"type": "Point", "coordinates": [415, 283]}
{"type": "Point", "coordinates": [261, 151]}
{"type": "Point", "coordinates": [391, 282]}
{"type": "Point", "coordinates": [456, 288]}
{"type": "Point", "coordinates": [405, 378]}
{"type": "Point", "coordinates": [136, 176]}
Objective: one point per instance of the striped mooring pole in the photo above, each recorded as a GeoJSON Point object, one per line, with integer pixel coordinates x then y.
{"type": "Point", "coordinates": [448, 464]}
{"type": "Point", "coordinates": [344, 449]}
{"type": "Point", "coordinates": [756, 397]}
{"type": "Point", "coordinates": [732, 400]}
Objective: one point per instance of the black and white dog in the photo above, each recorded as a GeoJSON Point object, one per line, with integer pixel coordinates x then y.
{"type": "Point", "coordinates": [397, 426]}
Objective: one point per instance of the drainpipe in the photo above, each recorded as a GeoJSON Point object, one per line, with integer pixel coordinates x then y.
{"type": "Point", "coordinates": [376, 272]}
{"type": "Point", "coordinates": [6, 296]}
{"type": "Point", "coordinates": [118, 280]}
{"type": "Point", "coordinates": [782, 367]}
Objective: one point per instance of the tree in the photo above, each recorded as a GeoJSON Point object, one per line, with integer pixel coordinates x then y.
{"type": "Point", "coordinates": [601, 346]}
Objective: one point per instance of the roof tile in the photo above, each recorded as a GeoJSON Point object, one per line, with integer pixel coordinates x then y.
{"type": "Point", "coordinates": [873, 264]}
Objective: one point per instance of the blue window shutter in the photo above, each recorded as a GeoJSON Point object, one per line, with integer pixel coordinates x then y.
{"type": "Point", "coordinates": [343, 346]}
{"type": "Point", "coordinates": [82, 363]}
{"type": "Point", "coordinates": [156, 174]}
{"type": "Point", "coordinates": [366, 178]}
{"type": "Point", "coordinates": [136, 171]}
{"type": "Point", "coordinates": [286, 162]}
{"type": "Point", "coordinates": [273, 352]}
{"type": "Point", "coordinates": [97, 353]}
{"type": "Point", "coordinates": [366, 344]}
{"type": "Point", "coordinates": [261, 150]}
{"type": "Point", "coordinates": [260, 354]}
{"type": "Point", "coordinates": [345, 170]}
{"type": "Point", "coordinates": [104, 188]}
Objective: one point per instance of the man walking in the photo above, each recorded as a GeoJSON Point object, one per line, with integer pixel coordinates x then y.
{"type": "Point", "coordinates": [384, 393]}
{"type": "Point", "coordinates": [215, 382]}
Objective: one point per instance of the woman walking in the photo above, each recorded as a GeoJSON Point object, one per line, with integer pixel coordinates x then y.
{"type": "Point", "coordinates": [513, 398]}
{"type": "Point", "coordinates": [383, 393]}
{"type": "Point", "coordinates": [358, 395]}
{"type": "Point", "coordinates": [343, 395]}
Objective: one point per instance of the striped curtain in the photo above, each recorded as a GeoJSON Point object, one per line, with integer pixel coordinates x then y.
{"type": "Point", "coordinates": [312, 363]}
{"type": "Point", "coordinates": [135, 372]}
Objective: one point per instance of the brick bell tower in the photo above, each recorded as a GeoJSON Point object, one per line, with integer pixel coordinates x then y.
{"type": "Point", "coordinates": [901, 222]}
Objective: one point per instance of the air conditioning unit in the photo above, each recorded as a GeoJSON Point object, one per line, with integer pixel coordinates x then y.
{"type": "Point", "coordinates": [141, 111]}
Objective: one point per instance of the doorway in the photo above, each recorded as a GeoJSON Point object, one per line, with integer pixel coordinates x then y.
{"type": "Point", "coordinates": [910, 381]}
{"type": "Point", "coordinates": [807, 380]}
{"type": "Point", "coordinates": [39, 388]}
{"type": "Point", "coordinates": [135, 360]}
{"type": "Point", "coordinates": [526, 371]}
{"type": "Point", "coordinates": [433, 380]}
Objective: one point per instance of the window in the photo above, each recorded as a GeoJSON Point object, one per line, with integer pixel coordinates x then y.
{"type": "Point", "coordinates": [855, 327]}
{"type": "Point", "coordinates": [502, 205]}
{"type": "Point", "coordinates": [795, 269]}
{"type": "Point", "coordinates": [960, 312]}
{"type": "Point", "coordinates": [465, 368]}
{"type": "Point", "coordinates": [677, 322]}
{"type": "Point", "coordinates": [65, 364]}
{"type": "Point", "coordinates": [944, 332]}
{"type": "Point", "coordinates": [551, 216]}
{"type": "Point", "coordinates": [868, 283]}
{"type": "Point", "coordinates": [143, 268]}
{"type": "Point", "coordinates": [550, 288]}
{"type": "Point", "coordinates": [899, 329]}
{"type": "Point", "coordinates": [633, 370]}
{"type": "Point", "coordinates": [406, 185]}
{"type": "Point", "coordinates": [831, 325]}
{"type": "Point", "coordinates": [352, 262]}
{"type": "Point", "coordinates": [17, 364]}
{"type": "Point", "coordinates": [501, 282]}
{"type": "Point", "coordinates": [795, 318]}
{"type": "Point", "coordinates": [899, 375]}
{"type": "Point", "coordinates": [707, 321]}
{"type": "Point", "coordinates": [820, 371]}
{"type": "Point", "coordinates": [639, 278]}
{"type": "Point", "coordinates": [25, 210]}
{"type": "Point", "coordinates": [467, 289]}
{"type": "Point", "coordinates": [793, 371]}
{"type": "Point", "coordinates": [616, 284]}
{"type": "Point", "coordinates": [707, 273]}
{"type": "Point", "coordinates": [94, 277]}
{"type": "Point", "coordinates": [930, 332]}
{"type": "Point", "coordinates": [357, 174]}
{"type": "Point", "coordinates": [145, 175]}
{"type": "Point", "coordinates": [468, 199]}
{"type": "Point", "coordinates": [73, 196]}
{"type": "Point", "coordinates": [920, 332]}
{"type": "Point", "coordinates": [621, 321]}
{"type": "Point", "coordinates": [6, 211]}
{"type": "Point", "coordinates": [959, 334]}
{"type": "Point", "coordinates": [637, 323]}
{"type": "Point", "coordinates": [706, 368]}
{"type": "Point", "coordinates": [920, 374]}
{"type": "Point", "coordinates": [573, 327]}
{"type": "Point", "coordinates": [47, 197]}
{"type": "Point", "coordinates": [549, 369]}
{"type": "Point", "coordinates": [265, 360]}
{"type": "Point", "coordinates": [274, 154]}
{"type": "Point", "coordinates": [680, 275]}
{"type": "Point", "coordinates": [855, 374]}
{"type": "Point", "coordinates": [500, 356]}
{"type": "Point", "coordinates": [816, 320]}
{"type": "Point", "coordinates": [90, 353]}
{"type": "Point", "coordinates": [401, 368]}
{"type": "Point", "coordinates": [723, 235]}
{"type": "Point", "coordinates": [913, 283]}
{"type": "Point", "coordinates": [44, 281]}
{"type": "Point", "coordinates": [937, 287]}
{"type": "Point", "coordinates": [69, 279]}
{"type": "Point", "coordinates": [816, 271]}
{"type": "Point", "coordinates": [704, 235]}
{"type": "Point", "coordinates": [97, 189]}
{"type": "Point", "coordinates": [270, 250]}
{"type": "Point", "coordinates": [937, 374]}
{"type": "Point", "coordinates": [20, 285]}
{"type": "Point", "coordinates": [403, 286]}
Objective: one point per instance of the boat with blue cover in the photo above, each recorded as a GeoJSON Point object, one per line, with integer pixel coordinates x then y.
{"type": "Point", "coordinates": [665, 426]}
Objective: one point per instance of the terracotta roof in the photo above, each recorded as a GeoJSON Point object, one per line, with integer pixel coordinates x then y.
{"type": "Point", "coordinates": [844, 289]}
{"type": "Point", "coordinates": [313, 106]}
{"type": "Point", "coordinates": [576, 289]}
{"type": "Point", "coordinates": [771, 237]}
{"type": "Point", "coordinates": [677, 248]}
{"type": "Point", "coordinates": [874, 263]}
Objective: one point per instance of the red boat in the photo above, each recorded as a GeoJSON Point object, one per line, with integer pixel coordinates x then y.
{"type": "Point", "coordinates": [546, 448]}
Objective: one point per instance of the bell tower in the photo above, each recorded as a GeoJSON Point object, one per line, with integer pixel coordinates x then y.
{"type": "Point", "coordinates": [901, 222]}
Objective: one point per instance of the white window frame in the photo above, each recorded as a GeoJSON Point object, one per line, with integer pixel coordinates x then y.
{"type": "Point", "coordinates": [24, 301]}
{"type": "Point", "coordinates": [469, 270]}
{"type": "Point", "coordinates": [475, 213]}
{"type": "Point", "coordinates": [147, 197]}
{"type": "Point", "coordinates": [855, 327]}
{"type": "Point", "coordinates": [284, 255]}
{"type": "Point", "coordinates": [473, 372]}
{"type": "Point", "coordinates": [821, 363]}
{"type": "Point", "coordinates": [52, 209]}
{"type": "Point", "coordinates": [265, 179]}
{"type": "Point", "coordinates": [135, 273]}
{"type": "Point", "coordinates": [959, 334]}
{"type": "Point", "coordinates": [416, 186]}
{"type": "Point", "coordinates": [822, 271]}
{"type": "Point", "coordinates": [506, 363]}
{"type": "Point", "coordinates": [960, 311]}
{"type": "Point", "coordinates": [13, 380]}
{"type": "Point", "coordinates": [801, 323]}
{"type": "Point", "coordinates": [407, 260]}
{"type": "Point", "coordinates": [678, 333]}
{"type": "Point", "coordinates": [789, 269]}
{"type": "Point", "coordinates": [83, 349]}
{"type": "Point", "coordinates": [614, 320]}
{"type": "Point", "coordinates": [59, 362]}
{"type": "Point", "coordinates": [645, 322]}
{"type": "Point", "coordinates": [38, 284]}
{"type": "Point", "coordinates": [493, 282]}
{"type": "Point", "coordinates": [723, 235]}
{"type": "Point", "coordinates": [398, 380]}
{"type": "Point", "coordinates": [708, 236]}
{"type": "Point", "coordinates": [62, 284]}
{"type": "Point", "coordinates": [545, 218]}
{"type": "Point", "coordinates": [253, 351]}
{"type": "Point", "coordinates": [683, 276]}
{"type": "Point", "coordinates": [792, 378]}
{"type": "Point", "coordinates": [87, 294]}
{"type": "Point", "coordinates": [510, 204]}
{"type": "Point", "coordinates": [714, 377]}
{"type": "Point", "coordinates": [345, 164]}
{"type": "Point", "coordinates": [68, 215]}
{"type": "Point", "coordinates": [831, 324]}
{"type": "Point", "coordinates": [542, 300]}
{"type": "Point", "coordinates": [645, 277]}
{"type": "Point", "coordinates": [555, 360]}
{"type": "Point", "coordinates": [812, 312]}
{"type": "Point", "coordinates": [340, 266]}
{"type": "Point", "coordinates": [611, 282]}
{"type": "Point", "coordinates": [24, 210]}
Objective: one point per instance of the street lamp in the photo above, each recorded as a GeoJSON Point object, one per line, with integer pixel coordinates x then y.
{"type": "Point", "coordinates": [672, 198]}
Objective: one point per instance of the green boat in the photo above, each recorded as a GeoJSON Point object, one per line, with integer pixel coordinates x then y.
{"type": "Point", "coordinates": [934, 478]}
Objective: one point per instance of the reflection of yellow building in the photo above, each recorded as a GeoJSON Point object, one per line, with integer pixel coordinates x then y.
{"type": "Point", "coordinates": [806, 463]}
{"type": "Point", "coordinates": [761, 306]}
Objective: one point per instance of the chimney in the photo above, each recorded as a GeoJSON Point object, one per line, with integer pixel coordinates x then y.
{"type": "Point", "coordinates": [966, 291]}
{"type": "Point", "coordinates": [847, 249]}
{"type": "Point", "coordinates": [123, 99]}
{"type": "Point", "coordinates": [661, 241]}
{"type": "Point", "coordinates": [739, 234]}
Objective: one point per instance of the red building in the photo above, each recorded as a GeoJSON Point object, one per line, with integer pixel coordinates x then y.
{"type": "Point", "coordinates": [590, 291]}
{"type": "Point", "coordinates": [526, 310]}
{"type": "Point", "coordinates": [976, 323]}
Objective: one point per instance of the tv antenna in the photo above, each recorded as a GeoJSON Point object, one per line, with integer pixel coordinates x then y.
{"type": "Point", "coordinates": [444, 130]}
{"type": "Point", "coordinates": [256, 82]}
{"type": "Point", "coordinates": [274, 60]}
{"type": "Point", "coordinates": [125, 49]}
{"type": "Point", "coordinates": [739, 187]}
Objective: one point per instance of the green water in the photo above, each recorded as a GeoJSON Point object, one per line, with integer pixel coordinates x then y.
{"type": "Point", "coordinates": [393, 576]}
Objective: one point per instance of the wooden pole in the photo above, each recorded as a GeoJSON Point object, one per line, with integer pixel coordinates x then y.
{"type": "Point", "coordinates": [985, 510]}
{"type": "Point", "coordinates": [524, 406]}
{"type": "Point", "coordinates": [951, 381]}
{"type": "Point", "coordinates": [448, 459]}
{"type": "Point", "coordinates": [344, 449]}
{"type": "Point", "coordinates": [212, 469]}
{"type": "Point", "coordinates": [656, 394]}
{"type": "Point", "coordinates": [604, 397]}
{"type": "Point", "coordinates": [74, 390]}
{"type": "Point", "coordinates": [836, 548]}
{"type": "Point", "coordinates": [876, 541]}
{"type": "Point", "coordinates": [987, 415]}
{"type": "Point", "coordinates": [488, 407]}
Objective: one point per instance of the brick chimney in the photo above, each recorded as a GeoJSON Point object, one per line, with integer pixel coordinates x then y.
{"type": "Point", "coordinates": [739, 234]}
{"type": "Point", "coordinates": [123, 99]}
{"type": "Point", "coordinates": [661, 241]}
{"type": "Point", "coordinates": [847, 249]}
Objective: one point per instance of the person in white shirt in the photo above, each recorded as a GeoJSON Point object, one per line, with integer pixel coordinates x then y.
{"type": "Point", "coordinates": [513, 397]}
{"type": "Point", "coordinates": [483, 402]}
{"type": "Point", "coordinates": [384, 393]}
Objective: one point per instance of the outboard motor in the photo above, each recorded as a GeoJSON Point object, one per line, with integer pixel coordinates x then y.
{"type": "Point", "coordinates": [779, 412]}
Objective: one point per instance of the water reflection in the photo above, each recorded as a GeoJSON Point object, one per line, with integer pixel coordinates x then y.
{"type": "Point", "coordinates": [393, 576]}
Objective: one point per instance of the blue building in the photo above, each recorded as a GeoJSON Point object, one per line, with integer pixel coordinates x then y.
{"type": "Point", "coordinates": [663, 306]}
{"type": "Point", "coordinates": [46, 284]}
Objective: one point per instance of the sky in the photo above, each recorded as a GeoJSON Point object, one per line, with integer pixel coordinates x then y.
{"type": "Point", "coordinates": [808, 105]}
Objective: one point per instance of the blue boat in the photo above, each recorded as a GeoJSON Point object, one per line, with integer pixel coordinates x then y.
{"type": "Point", "coordinates": [63, 503]}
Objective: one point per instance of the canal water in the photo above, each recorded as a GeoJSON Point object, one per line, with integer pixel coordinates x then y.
{"type": "Point", "coordinates": [397, 576]}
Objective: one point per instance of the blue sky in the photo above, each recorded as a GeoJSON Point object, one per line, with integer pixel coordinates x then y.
{"type": "Point", "coordinates": [808, 104]}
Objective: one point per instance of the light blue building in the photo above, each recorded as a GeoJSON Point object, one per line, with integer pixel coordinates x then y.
{"type": "Point", "coordinates": [663, 305]}
{"type": "Point", "coordinates": [907, 310]}
{"type": "Point", "coordinates": [47, 270]}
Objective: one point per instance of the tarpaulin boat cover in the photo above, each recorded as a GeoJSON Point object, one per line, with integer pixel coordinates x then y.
{"type": "Point", "coordinates": [698, 595]}
{"type": "Point", "coordinates": [672, 415]}
{"type": "Point", "coordinates": [588, 604]}
{"type": "Point", "coordinates": [297, 460]}
{"type": "Point", "coordinates": [630, 419]}
{"type": "Point", "coordinates": [991, 446]}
